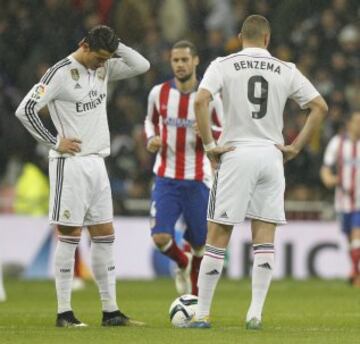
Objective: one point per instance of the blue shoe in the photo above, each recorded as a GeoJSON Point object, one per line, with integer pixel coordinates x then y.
{"type": "Point", "coordinates": [253, 324]}
{"type": "Point", "coordinates": [204, 323]}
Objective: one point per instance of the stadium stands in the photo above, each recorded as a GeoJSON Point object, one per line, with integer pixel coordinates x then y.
{"type": "Point", "coordinates": [323, 40]}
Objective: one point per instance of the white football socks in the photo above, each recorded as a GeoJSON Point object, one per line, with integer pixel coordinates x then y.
{"type": "Point", "coordinates": [263, 267]}
{"type": "Point", "coordinates": [103, 267]}
{"type": "Point", "coordinates": [210, 272]}
{"type": "Point", "coordinates": [64, 270]}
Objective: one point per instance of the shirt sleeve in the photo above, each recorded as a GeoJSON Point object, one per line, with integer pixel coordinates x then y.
{"type": "Point", "coordinates": [39, 96]}
{"type": "Point", "coordinates": [152, 116]}
{"type": "Point", "coordinates": [331, 152]}
{"type": "Point", "coordinates": [129, 63]}
{"type": "Point", "coordinates": [212, 80]}
{"type": "Point", "coordinates": [301, 89]}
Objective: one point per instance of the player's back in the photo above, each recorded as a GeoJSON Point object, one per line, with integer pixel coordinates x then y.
{"type": "Point", "coordinates": [255, 86]}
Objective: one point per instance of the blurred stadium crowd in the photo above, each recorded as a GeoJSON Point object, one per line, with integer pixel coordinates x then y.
{"type": "Point", "coordinates": [322, 37]}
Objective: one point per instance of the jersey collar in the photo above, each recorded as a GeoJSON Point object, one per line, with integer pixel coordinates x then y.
{"type": "Point", "coordinates": [255, 51]}
{"type": "Point", "coordinates": [173, 85]}
{"type": "Point", "coordinates": [74, 60]}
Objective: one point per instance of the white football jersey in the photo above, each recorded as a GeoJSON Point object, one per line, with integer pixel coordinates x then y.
{"type": "Point", "coordinates": [343, 154]}
{"type": "Point", "coordinates": [171, 115]}
{"type": "Point", "coordinates": [254, 87]}
{"type": "Point", "coordinates": [76, 98]}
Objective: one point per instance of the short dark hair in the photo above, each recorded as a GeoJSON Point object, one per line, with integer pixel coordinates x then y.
{"type": "Point", "coordinates": [186, 44]}
{"type": "Point", "coordinates": [254, 27]}
{"type": "Point", "coordinates": [102, 37]}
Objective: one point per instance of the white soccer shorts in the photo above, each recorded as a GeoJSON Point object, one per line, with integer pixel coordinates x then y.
{"type": "Point", "coordinates": [249, 183]}
{"type": "Point", "coordinates": [80, 193]}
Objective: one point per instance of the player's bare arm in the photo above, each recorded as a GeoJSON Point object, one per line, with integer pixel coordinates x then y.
{"type": "Point", "coordinates": [202, 100]}
{"type": "Point", "coordinates": [329, 179]}
{"type": "Point", "coordinates": [318, 109]}
{"type": "Point", "coordinates": [154, 144]}
{"type": "Point", "coordinates": [196, 129]}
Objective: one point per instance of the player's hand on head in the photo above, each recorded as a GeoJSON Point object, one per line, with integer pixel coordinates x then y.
{"type": "Point", "coordinates": [69, 146]}
{"type": "Point", "coordinates": [289, 151]}
{"type": "Point", "coordinates": [154, 144]}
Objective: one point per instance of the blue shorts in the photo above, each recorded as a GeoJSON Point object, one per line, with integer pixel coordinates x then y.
{"type": "Point", "coordinates": [171, 198]}
{"type": "Point", "coordinates": [349, 221]}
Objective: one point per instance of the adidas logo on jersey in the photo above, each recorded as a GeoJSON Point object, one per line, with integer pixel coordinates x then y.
{"type": "Point", "coordinates": [224, 215]}
{"type": "Point", "coordinates": [265, 266]}
{"type": "Point", "coordinates": [212, 272]}
{"type": "Point", "coordinates": [77, 86]}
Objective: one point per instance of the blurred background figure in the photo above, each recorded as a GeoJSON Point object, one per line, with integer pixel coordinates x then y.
{"type": "Point", "coordinates": [2, 288]}
{"type": "Point", "coordinates": [32, 186]}
{"type": "Point", "coordinates": [341, 170]}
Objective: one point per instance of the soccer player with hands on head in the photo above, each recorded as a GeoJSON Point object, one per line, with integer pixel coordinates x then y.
{"type": "Point", "coordinates": [183, 173]}
{"type": "Point", "coordinates": [341, 171]}
{"type": "Point", "coordinates": [75, 91]}
{"type": "Point", "coordinates": [249, 181]}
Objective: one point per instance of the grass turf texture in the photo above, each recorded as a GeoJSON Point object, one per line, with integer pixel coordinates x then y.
{"type": "Point", "coordinates": [296, 312]}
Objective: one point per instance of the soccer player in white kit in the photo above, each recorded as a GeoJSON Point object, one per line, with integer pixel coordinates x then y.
{"type": "Point", "coordinates": [341, 170]}
{"type": "Point", "coordinates": [75, 91]}
{"type": "Point", "coordinates": [250, 178]}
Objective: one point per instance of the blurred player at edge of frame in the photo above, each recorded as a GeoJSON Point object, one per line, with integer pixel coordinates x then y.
{"type": "Point", "coordinates": [2, 288]}
{"type": "Point", "coordinates": [341, 170]}
{"type": "Point", "coordinates": [75, 91]}
{"type": "Point", "coordinates": [249, 181]}
{"type": "Point", "coordinates": [183, 173]}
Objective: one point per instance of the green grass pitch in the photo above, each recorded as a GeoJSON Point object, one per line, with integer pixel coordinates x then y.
{"type": "Point", "coordinates": [311, 311]}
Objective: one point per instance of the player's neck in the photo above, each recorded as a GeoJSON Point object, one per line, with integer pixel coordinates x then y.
{"type": "Point", "coordinates": [253, 45]}
{"type": "Point", "coordinates": [187, 86]}
{"type": "Point", "coordinates": [77, 55]}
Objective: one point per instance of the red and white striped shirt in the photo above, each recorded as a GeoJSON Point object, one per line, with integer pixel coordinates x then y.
{"type": "Point", "coordinates": [344, 154]}
{"type": "Point", "coordinates": [171, 115]}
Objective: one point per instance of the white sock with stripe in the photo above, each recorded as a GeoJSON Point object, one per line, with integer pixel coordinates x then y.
{"type": "Point", "coordinates": [209, 274]}
{"type": "Point", "coordinates": [263, 267]}
{"type": "Point", "coordinates": [103, 267]}
{"type": "Point", "coordinates": [64, 270]}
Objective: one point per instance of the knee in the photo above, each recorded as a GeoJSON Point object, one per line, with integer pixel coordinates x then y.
{"type": "Point", "coordinates": [105, 229]}
{"type": "Point", "coordinates": [161, 239]}
{"type": "Point", "coordinates": [198, 250]}
{"type": "Point", "coordinates": [69, 231]}
{"type": "Point", "coordinates": [262, 232]}
{"type": "Point", "coordinates": [218, 235]}
{"type": "Point", "coordinates": [263, 237]}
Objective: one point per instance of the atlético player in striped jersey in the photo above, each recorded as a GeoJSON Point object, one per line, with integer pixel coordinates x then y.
{"type": "Point", "coordinates": [341, 169]}
{"type": "Point", "coordinates": [183, 172]}
{"type": "Point", "coordinates": [75, 91]}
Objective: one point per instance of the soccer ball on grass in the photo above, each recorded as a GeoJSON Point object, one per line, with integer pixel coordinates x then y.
{"type": "Point", "coordinates": [182, 310]}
